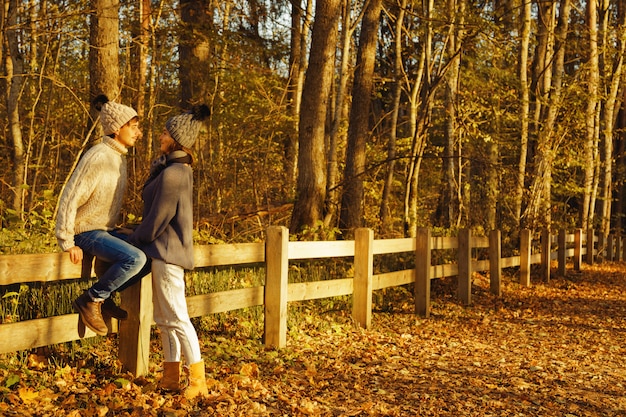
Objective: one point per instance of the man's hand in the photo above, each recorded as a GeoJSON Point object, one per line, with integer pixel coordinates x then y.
{"type": "Point", "coordinates": [76, 254]}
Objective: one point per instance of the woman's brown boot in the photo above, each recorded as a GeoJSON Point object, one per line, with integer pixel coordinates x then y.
{"type": "Point", "coordinates": [171, 377]}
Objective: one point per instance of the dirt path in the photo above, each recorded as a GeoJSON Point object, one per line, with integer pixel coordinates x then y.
{"type": "Point", "coordinates": [555, 349]}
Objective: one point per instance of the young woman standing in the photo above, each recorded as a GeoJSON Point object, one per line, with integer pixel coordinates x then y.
{"type": "Point", "coordinates": [165, 235]}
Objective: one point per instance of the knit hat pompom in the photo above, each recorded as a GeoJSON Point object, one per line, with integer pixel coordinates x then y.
{"type": "Point", "coordinates": [112, 115]}
{"type": "Point", "coordinates": [185, 127]}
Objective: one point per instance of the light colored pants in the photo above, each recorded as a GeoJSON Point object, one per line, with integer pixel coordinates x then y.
{"type": "Point", "coordinates": [178, 335]}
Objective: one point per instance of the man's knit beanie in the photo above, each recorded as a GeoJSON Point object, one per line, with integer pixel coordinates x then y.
{"type": "Point", "coordinates": [185, 127]}
{"type": "Point", "coordinates": [112, 115]}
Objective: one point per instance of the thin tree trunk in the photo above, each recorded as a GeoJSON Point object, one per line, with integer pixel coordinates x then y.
{"type": "Point", "coordinates": [450, 203]}
{"type": "Point", "coordinates": [308, 209]}
{"type": "Point", "coordinates": [398, 70]}
{"type": "Point", "coordinates": [14, 67]}
{"type": "Point", "coordinates": [332, 198]}
{"type": "Point", "coordinates": [525, 108]}
{"type": "Point", "coordinates": [590, 113]}
{"type": "Point", "coordinates": [421, 109]}
{"type": "Point", "coordinates": [613, 71]}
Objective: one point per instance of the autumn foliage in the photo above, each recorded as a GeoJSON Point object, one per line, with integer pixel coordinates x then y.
{"type": "Point", "coordinates": [554, 349]}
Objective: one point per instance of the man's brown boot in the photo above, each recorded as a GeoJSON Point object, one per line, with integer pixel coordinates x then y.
{"type": "Point", "coordinates": [110, 309]}
{"type": "Point", "coordinates": [90, 313]}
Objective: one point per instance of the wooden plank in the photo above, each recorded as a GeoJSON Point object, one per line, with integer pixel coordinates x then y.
{"type": "Point", "coordinates": [219, 302]}
{"type": "Point", "coordinates": [276, 286]}
{"type": "Point", "coordinates": [30, 334]}
{"type": "Point", "coordinates": [315, 290]}
{"type": "Point", "coordinates": [422, 272]}
{"type": "Point", "coordinates": [510, 261]}
{"type": "Point", "coordinates": [383, 246]}
{"type": "Point", "coordinates": [445, 270]}
{"type": "Point", "coordinates": [393, 279]}
{"type": "Point", "coordinates": [321, 249]}
{"type": "Point", "coordinates": [480, 241]}
{"type": "Point", "coordinates": [482, 265]}
{"type": "Point", "coordinates": [363, 271]}
{"type": "Point", "coordinates": [229, 254]}
{"type": "Point", "coordinates": [46, 267]}
{"type": "Point", "coordinates": [444, 242]}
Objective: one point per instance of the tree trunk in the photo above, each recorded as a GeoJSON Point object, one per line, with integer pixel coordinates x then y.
{"type": "Point", "coordinates": [104, 52]}
{"type": "Point", "coordinates": [450, 207]}
{"type": "Point", "coordinates": [332, 197]}
{"type": "Point", "coordinates": [613, 79]}
{"type": "Point", "coordinates": [590, 114]}
{"type": "Point", "coordinates": [14, 69]}
{"type": "Point", "coordinates": [421, 111]}
{"type": "Point", "coordinates": [385, 212]}
{"type": "Point", "coordinates": [358, 131]}
{"type": "Point", "coordinates": [194, 52]}
{"type": "Point", "coordinates": [294, 90]}
{"type": "Point", "coordinates": [308, 208]}
{"type": "Point", "coordinates": [524, 110]}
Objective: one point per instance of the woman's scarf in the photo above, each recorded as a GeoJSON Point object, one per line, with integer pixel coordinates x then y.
{"type": "Point", "coordinates": [162, 162]}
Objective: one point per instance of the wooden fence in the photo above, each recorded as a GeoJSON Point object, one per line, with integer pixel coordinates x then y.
{"type": "Point", "coordinates": [275, 254]}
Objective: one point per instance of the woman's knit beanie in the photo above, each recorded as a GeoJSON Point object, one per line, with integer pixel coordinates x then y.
{"type": "Point", "coordinates": [112, 115]}
{"type": "Point", "coordinates": [185, 127]}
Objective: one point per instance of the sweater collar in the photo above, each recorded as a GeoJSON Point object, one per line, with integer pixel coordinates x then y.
{"type": "Point", "coordinates": [115, 145]}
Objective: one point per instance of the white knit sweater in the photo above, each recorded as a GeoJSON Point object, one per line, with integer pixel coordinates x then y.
{"type": "Point", "coordinates": [93, 196]}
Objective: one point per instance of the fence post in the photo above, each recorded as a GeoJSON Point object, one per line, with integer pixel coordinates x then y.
{"type": "Point", "coordinates": [562, 252]}
{"type": "Point", "coordinates": [546, 255]}
{"type": "Point", "coordinates": [578, 249]}
{"type": "Point", "coordinates": [524, 258]}
{"type": "Point", "coordinates": [134, 332]}
{"type": "Point", "coordinates": [590, 246]}
{"type": "Point", "coordinates": [422, 272]}
{"type": "Point", "coordinates": [618, 248]}
{"type": "Point", "coordinates": [276, 286]}
{"type": "Point", "coordinates": [363, 272]}
{"type": "Point", "coordinates": [464, 289]}
{"type": "Point", "coordinates": [609, 248]}
{"type": "Point", "coordinates": [495, 262]}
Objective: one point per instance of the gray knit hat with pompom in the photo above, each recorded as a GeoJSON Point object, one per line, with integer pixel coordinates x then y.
{"type": "Point", "coordinates": [112, 115]}
{"type": "Point", "coordinates": [185, 127]}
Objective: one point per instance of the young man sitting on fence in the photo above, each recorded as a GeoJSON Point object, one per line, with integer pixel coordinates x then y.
{"type": "Point", "coordinates": [89, 211]}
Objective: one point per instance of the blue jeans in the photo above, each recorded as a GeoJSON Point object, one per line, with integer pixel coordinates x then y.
{"type": "Point", "coordinates": [128, 263]}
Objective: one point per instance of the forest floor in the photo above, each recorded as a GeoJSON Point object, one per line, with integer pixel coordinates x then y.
{"type": "Point", "coordinates": [554, 349]}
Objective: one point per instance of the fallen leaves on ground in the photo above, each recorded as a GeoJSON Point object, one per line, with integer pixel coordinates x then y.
{"type": "Point", "coordinates": [554, 349]}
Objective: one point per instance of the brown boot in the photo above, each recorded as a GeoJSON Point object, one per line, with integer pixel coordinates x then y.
{"type": "Point", "coordinates": [197, 381]}
{"type": "Point", "coordinates": [171, 377]}
{"type": "Point", "coordinates": [90, 313]}
{"type": "Point", "coordinates": [110, 309]}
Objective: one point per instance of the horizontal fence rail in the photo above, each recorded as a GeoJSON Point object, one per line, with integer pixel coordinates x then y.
{"type": "Point", "coordinates": [274, 255]}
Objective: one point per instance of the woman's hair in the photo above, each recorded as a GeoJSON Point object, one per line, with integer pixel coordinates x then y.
{"type": "Point", "coordinates": [175, 146]}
